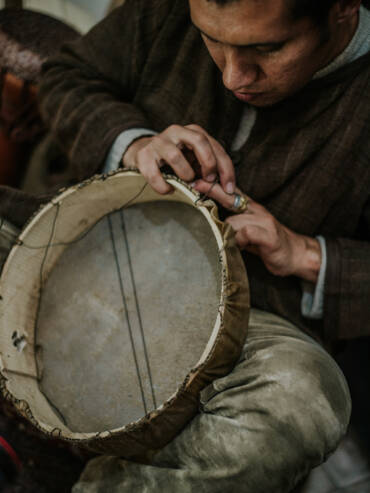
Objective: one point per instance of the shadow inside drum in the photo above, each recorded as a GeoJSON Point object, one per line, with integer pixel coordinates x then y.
{"type": "Point", "coordinates": [126, 313]}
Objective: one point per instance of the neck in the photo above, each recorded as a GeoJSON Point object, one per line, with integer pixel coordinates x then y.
{"type": "Point", "coordinates": [339, 41]}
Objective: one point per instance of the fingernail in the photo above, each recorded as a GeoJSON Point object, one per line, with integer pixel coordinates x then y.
{"type": "Point", "coordinates": [211, 177]}
{"type": "Point", "coordinates": [230, 188]}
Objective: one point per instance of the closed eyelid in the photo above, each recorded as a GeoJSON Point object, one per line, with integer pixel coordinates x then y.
{"type": "Point", "coordinates": [269, 47]}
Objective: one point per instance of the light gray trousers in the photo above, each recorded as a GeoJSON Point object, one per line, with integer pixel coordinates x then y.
{"type": "Point", "coordinates": [262, 428]}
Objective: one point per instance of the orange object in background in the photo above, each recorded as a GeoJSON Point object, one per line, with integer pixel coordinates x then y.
{"type": "Point", "coordinates": [20, 126]}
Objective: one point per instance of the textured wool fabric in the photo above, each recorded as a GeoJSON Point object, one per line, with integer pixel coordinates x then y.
{"type": "Point", "coordinates": [307, 159]}
{"type": "Point", "coordinates": [280, 412]}
{"type": "Point", "coordinates": [17, 206]}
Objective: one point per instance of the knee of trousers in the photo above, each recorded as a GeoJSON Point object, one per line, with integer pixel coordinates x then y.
{"type": "Point", "coordinates": [289, 397]}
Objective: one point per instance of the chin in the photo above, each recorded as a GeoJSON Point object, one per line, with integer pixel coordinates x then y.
{"type": "Point", "coordinates": [266, 100]}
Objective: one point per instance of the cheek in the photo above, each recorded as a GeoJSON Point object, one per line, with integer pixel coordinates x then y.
{"type": "Point", "coordinates": [290, 70]}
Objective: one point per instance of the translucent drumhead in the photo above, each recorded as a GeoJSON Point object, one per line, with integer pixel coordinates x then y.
{"type": "Point", "coordinates": [126, 313]}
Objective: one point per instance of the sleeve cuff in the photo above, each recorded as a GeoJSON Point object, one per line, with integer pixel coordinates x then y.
{"type": "Point", "coordinates": [312, 304]}
{"type": "Point", "coordinates": [121, 144]}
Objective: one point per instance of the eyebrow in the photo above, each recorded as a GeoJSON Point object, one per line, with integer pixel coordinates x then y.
{"type": "Point", "coordinates": [251, 45]}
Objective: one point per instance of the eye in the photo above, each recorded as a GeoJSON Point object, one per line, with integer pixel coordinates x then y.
{"type": "Point", "coordinates": [269, 48]}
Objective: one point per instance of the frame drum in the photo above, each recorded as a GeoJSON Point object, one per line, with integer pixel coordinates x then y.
{"type": "Point", "coordinates": [118, 306]}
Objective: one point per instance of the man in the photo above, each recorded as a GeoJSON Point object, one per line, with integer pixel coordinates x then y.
{"type": "Point", "coordinates": [285, 83]}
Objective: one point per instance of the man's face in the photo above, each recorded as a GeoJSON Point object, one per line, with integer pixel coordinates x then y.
{"type": "Point", "coordinates": [263, 53]}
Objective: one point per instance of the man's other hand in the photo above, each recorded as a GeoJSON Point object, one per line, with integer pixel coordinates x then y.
{"type": "Point", "coordinates": [283, 251]}
{"type": "Point", "coordinates": [149, 154]}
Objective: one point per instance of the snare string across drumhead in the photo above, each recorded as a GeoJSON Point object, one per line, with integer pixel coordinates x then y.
{"type": "Point", "coordinates": [123, 296]}
{"type": "Point", "coordinates": [124, 231]}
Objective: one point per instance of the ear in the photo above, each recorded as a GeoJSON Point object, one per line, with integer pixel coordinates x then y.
{"type": "Point", "coordinates": [343, 10]}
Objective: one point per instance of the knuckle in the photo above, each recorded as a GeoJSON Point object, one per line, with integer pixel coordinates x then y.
{"type": "Point", "coordinates": [244, 231]}
{"type": "Point", "coordinates": [173, 128]}
{"type": "Point", "coordinates": [174, 155]}
{"type": "Point", "coordinates": [142, 154]}
{"type": "Point", "coordinates": [271, 222]}
{"type": "Point", "coordinates": [209, 158]}
{"type": "Point", "coordinates": [194, 126]}
{"type": "Point", "coordinates": [200, 138]}
{"type": "Point", "coordinates": [157, 140]}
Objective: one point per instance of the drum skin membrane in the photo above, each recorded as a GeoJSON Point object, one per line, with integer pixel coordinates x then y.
{"type": "Point", "coordinates": [126, 313]}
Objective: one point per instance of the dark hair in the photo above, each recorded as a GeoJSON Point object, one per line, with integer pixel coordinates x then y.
{"type": "Point", "coordinates": [318, 10]}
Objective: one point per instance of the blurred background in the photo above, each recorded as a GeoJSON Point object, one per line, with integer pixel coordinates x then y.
{"type": "Point", "coordinates": [80, 14]}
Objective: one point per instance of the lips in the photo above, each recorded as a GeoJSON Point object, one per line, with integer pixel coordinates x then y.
{"type": "Point", "coordinates": [246, 96]}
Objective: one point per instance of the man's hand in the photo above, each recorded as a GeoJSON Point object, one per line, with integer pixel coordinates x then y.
{"type": "Point", "coordinates": [148, 154]}
{"type": "Point", "coordinates": [283, 252]}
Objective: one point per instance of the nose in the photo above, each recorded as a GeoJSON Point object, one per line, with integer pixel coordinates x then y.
{"type": "Point", "coordinates": [239, 71]}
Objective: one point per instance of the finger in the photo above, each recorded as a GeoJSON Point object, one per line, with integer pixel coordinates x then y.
{"type": "Point", "coordinates": [224, 166]}
{"type": "Point", "coordinates": [147, 164]}
{"type": "Point", "coordinates": [251, 236]}
{"type": "Point", "coordinates": [217, 193]}
{"type": "Point", "coordinates": [168, 152]}
{"type": "Point", "coordinates": [214, 192]}
{"type": "Point", "coordinates": [199, 145]}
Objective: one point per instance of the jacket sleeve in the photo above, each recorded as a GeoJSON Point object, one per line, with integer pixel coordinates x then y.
{"type": "Point", "coordinates": [17, 206]}
{"type": "Point", "coordinates": [347, 284]}
{"type": "Point", "coordinates": [87, 92]}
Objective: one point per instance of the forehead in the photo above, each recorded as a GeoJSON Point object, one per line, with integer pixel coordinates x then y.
{"type": "Point", "coordinates": [243, 21]}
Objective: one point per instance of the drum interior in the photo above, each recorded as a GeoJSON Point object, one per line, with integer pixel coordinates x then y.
{"type": "Point", "coordinates": [126, 313]}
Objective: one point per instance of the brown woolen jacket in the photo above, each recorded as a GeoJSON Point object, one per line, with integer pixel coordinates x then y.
{"type": "Point", "coordinates": [307, 159]}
